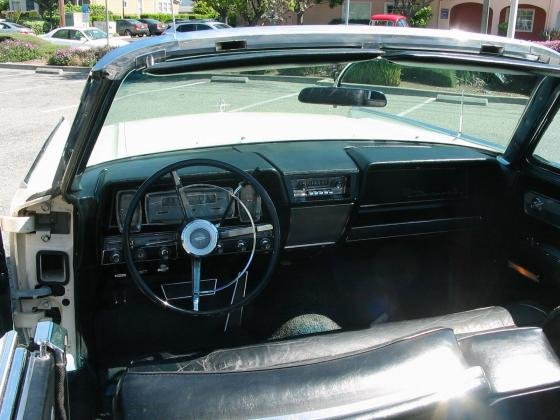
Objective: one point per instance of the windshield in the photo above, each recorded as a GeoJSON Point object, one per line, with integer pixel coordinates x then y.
{"type": "Point", "coordinates": [95, 33]}
{"type": "Point", "coordinates": [153, 114]}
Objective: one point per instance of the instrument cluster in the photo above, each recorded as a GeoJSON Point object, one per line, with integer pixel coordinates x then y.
{"type": "Point", "coordinates": [201, 202]}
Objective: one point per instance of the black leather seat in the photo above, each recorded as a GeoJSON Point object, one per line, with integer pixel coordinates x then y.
{"type": "Point", "coordinates": [181, 379]}
{"type": "Point", "coordinates": [278, 353]}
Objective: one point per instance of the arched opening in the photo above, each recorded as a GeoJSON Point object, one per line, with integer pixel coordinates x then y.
{"type": "Point", "coordinates": [467, 17]}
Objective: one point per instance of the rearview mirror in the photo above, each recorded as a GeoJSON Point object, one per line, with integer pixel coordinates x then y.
{"type": "Point", "coordinates": [342, 96]}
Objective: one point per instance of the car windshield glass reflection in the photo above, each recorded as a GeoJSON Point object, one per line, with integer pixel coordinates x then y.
{"type": "Point", "coordinates": [245, 105]}
{"type": "Point", "coordinates": [95, 34]}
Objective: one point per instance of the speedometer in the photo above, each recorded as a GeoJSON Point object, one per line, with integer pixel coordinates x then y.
{"type": "Point", "coordinates": [209, 203]}
{"type": "Point", "coordinates": [163, 208]}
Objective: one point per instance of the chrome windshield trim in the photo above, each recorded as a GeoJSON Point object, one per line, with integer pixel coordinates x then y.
{"type": "Point", "coordinates": [7, 349]}
{"type": "Point", "coordinates": [13, 384]}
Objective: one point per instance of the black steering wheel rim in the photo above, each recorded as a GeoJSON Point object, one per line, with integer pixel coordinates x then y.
{"type": "Point", "coordinates": [266, 200]}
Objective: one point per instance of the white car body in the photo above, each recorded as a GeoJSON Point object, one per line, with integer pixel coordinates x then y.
{"type": "Point", "coordinates": [80, 38]}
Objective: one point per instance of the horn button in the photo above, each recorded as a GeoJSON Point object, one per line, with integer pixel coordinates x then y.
{"type": "Point", "coordinates": [199, 237]}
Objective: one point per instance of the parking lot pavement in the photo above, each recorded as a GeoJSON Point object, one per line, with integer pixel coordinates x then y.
{"type": "Point", "coordinates": [493, 121]}
{"type": "Point", "coordinates": [30, 107]}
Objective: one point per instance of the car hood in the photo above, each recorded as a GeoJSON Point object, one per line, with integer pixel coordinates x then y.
{"type": "Point", "coordinates": [156, 135]}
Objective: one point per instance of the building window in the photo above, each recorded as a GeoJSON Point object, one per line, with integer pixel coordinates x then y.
{"type": "Point", "coordinates": [389, 7]}
{"type": "Point", "coordinates": [525, 20]}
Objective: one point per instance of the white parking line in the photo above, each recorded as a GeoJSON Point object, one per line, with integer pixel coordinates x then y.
{"type": "Point", "coordinates": [415, 107]}
{"type": "Point", "coordinates": [17, 90]}
{"type": "Point", "coordinates": [159, 90]}
{"type": "Point", "coordinates": [9, 76]}
{"type": "Point", "coordinates": [243, 108]}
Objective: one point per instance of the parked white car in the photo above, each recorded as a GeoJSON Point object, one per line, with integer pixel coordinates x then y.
{"type": "Point", "coordinates": [81, 38]}
{"type": "Point", "coordinates": [10, 27]}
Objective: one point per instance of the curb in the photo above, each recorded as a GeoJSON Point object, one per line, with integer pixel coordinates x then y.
{"type": "Point", "coordinates": [64, 69]}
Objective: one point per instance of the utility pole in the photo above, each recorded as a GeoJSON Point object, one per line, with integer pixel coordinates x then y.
{"type": "Point", "coordinates": [512, 22]}
{"type": "Point", "coordinates": [107, 21]}
{"type": "Point", "coordinates": [62, 18]}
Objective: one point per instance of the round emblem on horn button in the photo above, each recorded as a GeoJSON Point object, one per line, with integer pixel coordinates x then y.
{"type": "Point", "coordinates": [199, 237]}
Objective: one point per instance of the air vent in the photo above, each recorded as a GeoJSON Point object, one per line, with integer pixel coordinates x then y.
{"type": "Point", "coordinates": [231, 45]}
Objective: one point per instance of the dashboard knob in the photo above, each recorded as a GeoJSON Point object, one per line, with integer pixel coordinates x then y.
{"type": "Point", "coordinates": [265, 244]}
{"type": "Point", "coordinates": [164, 252]}
{"type": "Point", "coordinates": [116, 257]}
{"type": "Point", "coordinates": [241, 245]}
{"type": "Point", "coordinates": [140, 254]}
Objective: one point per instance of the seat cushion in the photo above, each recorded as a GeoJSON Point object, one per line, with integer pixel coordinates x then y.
{"type": "Point", "coordinates": [317, 347]}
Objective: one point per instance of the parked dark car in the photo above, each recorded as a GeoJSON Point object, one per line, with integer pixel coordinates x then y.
{"type": "Point", "coordinates": [195, 25]}
{"type": "Point", "coordinates": [132, 27]}
{"type": "Point", "coordinates": [154, 26]}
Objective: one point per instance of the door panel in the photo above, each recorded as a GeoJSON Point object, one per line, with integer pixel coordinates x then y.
{"type": "Point", "coordinates": [535, 225]}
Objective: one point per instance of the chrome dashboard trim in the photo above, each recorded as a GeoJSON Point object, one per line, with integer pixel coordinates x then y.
{"type": "Point", "coordinates": [309, 245]}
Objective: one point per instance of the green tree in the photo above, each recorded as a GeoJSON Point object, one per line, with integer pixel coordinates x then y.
{"type": "Point", "coordinates": [224, 8]}
{"type": "Point", "coordinates": [47, 9]}
{"type": "Point", "coordinates": [409, 8]}
{"type": "Point", "coordinates": [421, 18]}
{"type": "Point", "coordinates": [4, 4]}
{"type": "Point", "coordinates": [201, 7]}
{"type": "Point", "coordinates": [251, 10]}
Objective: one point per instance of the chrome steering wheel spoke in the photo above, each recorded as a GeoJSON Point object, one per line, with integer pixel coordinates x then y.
{"type": "Point", "coordinates": [196, 264]}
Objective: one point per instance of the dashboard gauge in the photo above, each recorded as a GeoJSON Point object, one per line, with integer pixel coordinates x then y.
{"type": "Point", "coordinates": [252, 201]}
{"type": "Point", "coordinates": [123, 202]}
{"type": "Point", "coordinates": [208, 203]}
{"type": "Point", "coordinates": [163, 208]}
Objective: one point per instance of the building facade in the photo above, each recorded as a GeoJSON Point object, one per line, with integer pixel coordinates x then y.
{"type": "Point", "coordinates": [533, 16]}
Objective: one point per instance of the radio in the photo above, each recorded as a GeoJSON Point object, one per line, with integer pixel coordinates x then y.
{"type": "Point", "coordinates": [323, 188]}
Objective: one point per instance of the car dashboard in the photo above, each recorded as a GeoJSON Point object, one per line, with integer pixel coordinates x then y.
{"type": "Point", "coordinates": [325, 192]}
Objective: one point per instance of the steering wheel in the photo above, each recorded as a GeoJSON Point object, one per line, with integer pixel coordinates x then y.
{"type": "Point", "coordinates": [199, 237]}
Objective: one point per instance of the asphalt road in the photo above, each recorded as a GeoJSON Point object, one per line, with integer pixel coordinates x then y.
{"type": "Point", "coordinates": [32, 104]}
{"type": "Point", "coordinates": [30, 107]}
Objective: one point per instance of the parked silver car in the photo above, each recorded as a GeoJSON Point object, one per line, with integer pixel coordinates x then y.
{"type": "Point", "coordinates": [81, 37]}
{"type": "Point", "coordinates": [11, 27]}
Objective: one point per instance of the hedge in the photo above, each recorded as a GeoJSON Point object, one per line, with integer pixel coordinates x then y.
{"type": "Point", "coordinates": [432, 77]}
{"type": "Point", "coordinates": [374, 72]}
{"type": "Point", "coordinates": [554, 45]}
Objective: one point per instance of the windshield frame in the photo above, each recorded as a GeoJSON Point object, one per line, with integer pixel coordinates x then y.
{"type": "Point", "coordinates": [107, 76]}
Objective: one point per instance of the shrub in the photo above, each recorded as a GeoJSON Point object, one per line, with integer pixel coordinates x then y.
{"type": "Point", "coordinates": [554, 45]}
{"type": "Point", "coordinates": [97, 13]}
{"type": "Point", "coordinates": [77, 57]}
{"type": "Point", "coordinates": [39, 26]}
{"type": "Point", "coordinates": [374, 72]}
{"type": "Point", "coordinates": [4, 4]}
{"type": "Point", "coordinates": [12, 50]}
{"type": "Point", "coordinates": [42, 47]}
{"type": "Point", "coordinates": [550, 34]}
{"type": "Point", "coordinates": [433, 77]}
